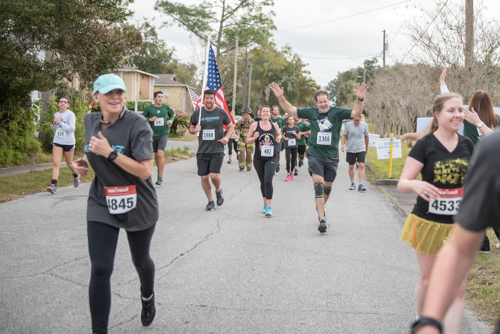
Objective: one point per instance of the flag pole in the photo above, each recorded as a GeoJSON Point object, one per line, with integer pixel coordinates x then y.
{"type": "Point", "coordinates": [205, 76]}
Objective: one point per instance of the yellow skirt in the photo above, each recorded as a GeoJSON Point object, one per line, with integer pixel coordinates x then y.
{"type": "Point", "coordinates": [424, 235]}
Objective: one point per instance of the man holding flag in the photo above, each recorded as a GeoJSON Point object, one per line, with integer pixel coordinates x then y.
{"type": "Point", "coordinates": [209, 121]}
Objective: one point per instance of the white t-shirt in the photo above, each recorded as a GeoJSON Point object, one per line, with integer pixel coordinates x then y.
{"type": "Point", "coordinates": [64, 133]}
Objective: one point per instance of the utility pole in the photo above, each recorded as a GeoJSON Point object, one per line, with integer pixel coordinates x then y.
{"type": "Point", "coordinates": [364, 74]}
{"type": "Point", "coordinates": [249, 85]}
{"type": "Point", "coordinates": [383, 46]}
{"type": "Point", "coordinates": [469, 34]}
{"type": "Point", "coordinates": [235, 75]}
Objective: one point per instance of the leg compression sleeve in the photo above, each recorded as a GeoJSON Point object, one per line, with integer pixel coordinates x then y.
{"type": "Point", "coordinates": [328, 190]}
{"type": "Point", "coordinates": [319, 190]}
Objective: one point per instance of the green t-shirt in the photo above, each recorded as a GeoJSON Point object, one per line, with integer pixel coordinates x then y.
{"type": "Point", "coordinates": [326, 127]}
{"type": "Point", "coordinates": [163, 115]}
{"type": "Point", "coordinates": [303, 127]}
{"type": "Point", "coordinates": [472, 132]}
{"type": "Point", "coordinates": [280, 121]}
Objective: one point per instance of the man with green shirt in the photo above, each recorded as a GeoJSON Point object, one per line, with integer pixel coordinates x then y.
{"type": "Point", "coordinates": [305, 130]}
{"type": "Point", "coordinates": [323, 146]}
{"type": "Point", "coordinates": [160, 118]}
{"type": "Point", "coordinates": [276, 118]}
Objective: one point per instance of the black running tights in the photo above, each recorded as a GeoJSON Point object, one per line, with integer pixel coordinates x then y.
{"type": "Point", "coordinates": [265, 170]}
{"type": "Point", "coordinates": [102, 239]}
{"type": "Point", "coordinates": [291, 158]}
{"type": "Point", "coordinates": [230, 145]}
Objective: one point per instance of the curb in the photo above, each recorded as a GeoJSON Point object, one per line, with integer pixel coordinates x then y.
{"type": "Point", "coordinates": [387, 182]}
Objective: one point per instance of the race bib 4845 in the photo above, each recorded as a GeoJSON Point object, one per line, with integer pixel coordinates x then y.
{"type": "Point", "coordinates": [121, 199]}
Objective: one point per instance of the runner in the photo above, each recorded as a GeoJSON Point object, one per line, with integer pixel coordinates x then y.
{"type": "Point", "coordinates": [478, 210]}
{"type": "Point", "coordinates": [64, 142]}
{"type": "Point", "coordinates": [232, 143]}
{"type": "Point", "coordinates": [442, 158]}
{"type": "Point", "coordinates": [256, 119]}
{"type": "Point", "coordinates": [211, 143]}
{"type": "Point", "coordinates": [268, 136]}
{"type": "Point", "coordinates": [276, 118]}
{"type": "Point", "coordinates": [356, 135]}
{"type": "Point", "coordinates": [291, 136]}
{"type": "Point", "coordinates": [160, 117]}
{"type": "Point", "coordinates": [245, 150]}
{"type": "Point", "coordinates": [305, 131]}
{"type": "Point", "coordinates": [118, 146]}
{"type": "Point", "coordinates": [322, 152]}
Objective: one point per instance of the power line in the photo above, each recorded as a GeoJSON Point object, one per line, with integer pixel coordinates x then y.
{"type": "Point", "coordinates": [421, 35]}
{"type": "Point", "coordinates": [340, 18]}
{"type": "Point", "coordinates": [375, 54]}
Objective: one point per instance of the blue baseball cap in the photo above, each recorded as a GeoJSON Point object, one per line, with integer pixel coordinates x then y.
{"type": "Point", "coordinates": [107, 82]}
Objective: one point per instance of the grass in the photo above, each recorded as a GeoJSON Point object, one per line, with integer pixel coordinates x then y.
{"type": "Point", "coordinates": [185, 137]}
{"type": "Point", "coordinates": [17, 186]}
{"type": "Point", "coordinates": [483, 284]}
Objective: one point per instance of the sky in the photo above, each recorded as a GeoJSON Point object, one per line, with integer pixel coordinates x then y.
{"type": "Point", "coordinates": [349, 31]}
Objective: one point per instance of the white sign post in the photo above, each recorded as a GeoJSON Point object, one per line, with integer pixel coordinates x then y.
{"type": "Point", "coordinates": [384, 148]}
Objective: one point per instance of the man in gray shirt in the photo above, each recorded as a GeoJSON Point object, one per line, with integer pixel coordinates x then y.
{"type": "Point", "coordinates": [211, 141]}
{"type": "Point", "coordinates": [356, 135]}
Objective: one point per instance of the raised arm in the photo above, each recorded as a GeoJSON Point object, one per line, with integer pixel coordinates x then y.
{"type": "Point", "coordinates": [287, 107]}
{"type": "Point", "coordinates": [360, 94]}
{"type": "Point", "coordinates": [442, 81]}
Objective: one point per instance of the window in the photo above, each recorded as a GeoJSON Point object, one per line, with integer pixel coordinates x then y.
{"type": "Point", "coordinates": [165, 91]}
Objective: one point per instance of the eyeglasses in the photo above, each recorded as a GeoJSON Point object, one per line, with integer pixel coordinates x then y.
{"type": "Point", "coordinates": [63, 101]}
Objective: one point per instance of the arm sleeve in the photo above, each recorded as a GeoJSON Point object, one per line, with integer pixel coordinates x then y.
{"type": "Point", "coordinates": [141, 141]}
{"type": "Point", "coordinates": [304, 112]}
{"type": "Point", "coordinates": [72, 123]}
{"type": "Point", "coordinates": [366, 130]}
{"type": "Point", "coordinates": [170, 114]}
{"type": "Point", "coordinates": [226, 119]}
{"type": "Point", "coordinates": [479, 208]}
{"type": "Point", "coordinates": [346, 130]}
{"type": "Point", "coordinates": [418, 151]}
{"type": "Point", "coordinates": [344, 113]}
{"type": "Point", "coordinates": [444, 89]}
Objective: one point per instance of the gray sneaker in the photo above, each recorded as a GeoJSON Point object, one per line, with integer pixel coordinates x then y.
{"type": "Point", "coordinates": [76, 182]}
{"type": "Point", "coordinates": [52, 188]}
{"type": "Point", "coordinates": [322, 226]}
{"type": "Point", "coordinates": [220, 198]}
{"type": "Point", "coordinates": [210, 206]}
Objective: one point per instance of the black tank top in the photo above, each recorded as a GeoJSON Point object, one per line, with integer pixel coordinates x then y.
{"type": "Point", "coordinates": [266, 143]}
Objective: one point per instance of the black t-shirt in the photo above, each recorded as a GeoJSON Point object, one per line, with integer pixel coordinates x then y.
{"type": "Point", "coordinates": [266, 146]}
{"type": "Point", "coordinates": [212, 129]}
{"type": "Point", "coordinates": [480, 207]}
{"type": "Point", "coordinates": [287, 132]}
{"type": "Point", "coordinates": [443, 169]}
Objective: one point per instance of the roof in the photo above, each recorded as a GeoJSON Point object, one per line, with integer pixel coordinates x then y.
{"type": "Point", "coordinates": [167, 80]}
{"type": "Point", "coordinates": [133, 69]}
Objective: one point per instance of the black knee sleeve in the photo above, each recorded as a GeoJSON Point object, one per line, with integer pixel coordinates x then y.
{"type": "Point", "coordinates": [319, 190]}
{"type": "Point", "coordinates": [328, 190]}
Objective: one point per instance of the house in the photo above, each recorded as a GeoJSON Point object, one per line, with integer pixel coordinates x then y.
{"type": "Point", "coordinates": [139, 84]}
{"type": "Point", "coordinates": [175, 94]}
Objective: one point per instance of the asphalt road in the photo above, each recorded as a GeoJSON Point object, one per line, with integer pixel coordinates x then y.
{"type": "Point", "coordinates": [227, 271]}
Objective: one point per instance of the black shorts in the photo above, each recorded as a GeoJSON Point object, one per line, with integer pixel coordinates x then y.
{"type": "Point", "coordinates": [209, 163]}
{"type": "Point", "coordinates": [160, 142]}
{"type": "Point", "coordinates": [351, 157]}
{"type": "Point", "coordinates": [302, 150]}
{"type": "Point", "coordinates": [324, 167]}
{"type": "Point", "coordinates": [66, 148]}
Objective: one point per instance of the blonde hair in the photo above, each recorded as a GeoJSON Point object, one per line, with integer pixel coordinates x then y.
{"type": "Point", "coordinates": [437, 106]}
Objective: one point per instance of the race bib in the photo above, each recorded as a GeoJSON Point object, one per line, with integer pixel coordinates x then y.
{"type": "Point", "coordinates": [448, 202]}
{"type": "Point", "coordinates": [121, 199]}
{"type": "Point", "coordinates": [60, 133]}
{"type": "Point", "coordinates": [267, 151]}
{"type": "Point", "coordinates": [292, 142]}
{"type": "Point", "coordinates": [209, 134]}
{"type": "Point", "coordinates": [324, 138]}
{"type": "Point", "coordinates": [160, 121]}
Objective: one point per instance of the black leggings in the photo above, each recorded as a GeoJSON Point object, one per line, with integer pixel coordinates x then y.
{"type": "Point", "coordinates": [265, 170]}
{"type": "Point", "coordinates": [230, 144]}
{"type": "Point", "coordinates": [103, 239]}
{"type": "Point", "coordinates": [291, 158]}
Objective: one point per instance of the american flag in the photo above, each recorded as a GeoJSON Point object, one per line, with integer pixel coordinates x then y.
{"type": "Point", "coordinates": [194, 97]}
{"type": "Point", "coordinates": [214, 82]}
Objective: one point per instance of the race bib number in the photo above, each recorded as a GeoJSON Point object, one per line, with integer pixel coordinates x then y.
{"type": "Point", "coordinates": [324, 138]}
{"type": "Point", "coordinates": [448, 202]}
{"type": "Point", "coordinates": [292, 142]}
{"type": "Point", "coordinates": [121, 199]}
{"type": "Point", "coordinates": [209, 134]}
{"type": "Point", "coordinates": [267, 151]}
{"type": "Point", "coordinates": [61, 134]}
{"type": "Point", "coordinates": [160, 121]}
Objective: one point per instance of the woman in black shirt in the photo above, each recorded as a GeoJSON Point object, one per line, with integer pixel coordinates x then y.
{"type": "Point", "coordinates": [291, 137]}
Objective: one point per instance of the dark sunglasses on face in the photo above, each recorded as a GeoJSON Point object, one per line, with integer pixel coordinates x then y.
{"type": "Point", "coordinates": [63, 101]}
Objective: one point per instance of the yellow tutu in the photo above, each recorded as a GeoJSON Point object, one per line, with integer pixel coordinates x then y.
{"type": "Point", "coordinates": [425, 235]}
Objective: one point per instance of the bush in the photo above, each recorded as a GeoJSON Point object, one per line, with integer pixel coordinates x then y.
{"type": "Point", "coordinates": [140, 105]}
{"type": "Point", "coordinates": [180, 122]}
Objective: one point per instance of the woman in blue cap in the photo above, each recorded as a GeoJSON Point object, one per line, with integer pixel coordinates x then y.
{"type": "Point", "coordinates": [118, 146]}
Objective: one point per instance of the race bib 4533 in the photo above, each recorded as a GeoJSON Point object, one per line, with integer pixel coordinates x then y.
{"type": "Point", "coordinates": [448, 202]}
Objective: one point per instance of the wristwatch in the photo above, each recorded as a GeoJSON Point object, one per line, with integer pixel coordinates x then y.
{"type": "Point", "coordinates": [424, 321]}
{"type": "Point", "coordinates": [361, 100]}
{"type": "Point", "coordinates": [112, 156]}
{"type": "Point", "coordinates": [480, 124]}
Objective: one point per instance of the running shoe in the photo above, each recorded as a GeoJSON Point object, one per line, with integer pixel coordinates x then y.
{"type": "Point", "coordinates": [352, 187]}
{"type": "Point", "coordinates": [264, 210]}
{"type": "Point", "coordinates": [159, 181]}
{"type": "Point", "coordinates": [498, 245]}
{"type": "Point", "coordinates": [242, 169]}
{"type": "Point", "coordinates": [229, 161]}
{"type": "Point", "coordinates": [220, 198]}
{"type": "Point", "coordinates": [210, 206]}
{"type": "Point", "coordinates": [301, 163]}
{"type": "Point", "coordinates": [249, 169]}
{"type": "Point", "coordinates": [76, 181]}
{"type": "Point", "coordinates": [148, 311]}
{"type": "Point", "coordinates": [322, 226]}
{"type": "Point", "coordinates": [52, 188]}
{"type": "Point", "coordinates": [269, 212]}
{"type": "Point", "coordinates": [357, 167]}
{"type": "Point", "coordinates": [287, 178]}
{"type": "Point", "coordinates": [296, 172]}
{"type": "Point", "coordinates": [291, 177]}
{"type": "Point", "coordinates": [278, 168]}
{"type": "Point", "coordinates": [361, 188]}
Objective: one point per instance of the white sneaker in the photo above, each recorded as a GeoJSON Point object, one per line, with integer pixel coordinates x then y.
{"type": "Point", "coordinates": [498, 245]}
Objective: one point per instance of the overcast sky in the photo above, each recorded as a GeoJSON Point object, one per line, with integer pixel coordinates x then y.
{"type": "Point", "coordinates": [319, 28]}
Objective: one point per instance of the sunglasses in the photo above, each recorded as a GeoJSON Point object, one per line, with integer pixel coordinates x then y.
{"type": "Point", "coordinates": [63, 101]}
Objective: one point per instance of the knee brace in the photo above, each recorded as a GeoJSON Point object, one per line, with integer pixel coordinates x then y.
{"type": "Point", "coordinates": [328, 190]}
{"type": "Point", "coordinates": [319, 190]}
